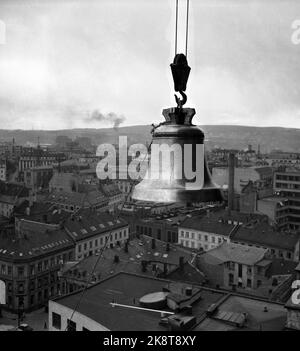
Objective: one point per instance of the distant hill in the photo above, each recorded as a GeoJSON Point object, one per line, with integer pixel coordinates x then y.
{"type": "Point", "coordinates": [227, 136]}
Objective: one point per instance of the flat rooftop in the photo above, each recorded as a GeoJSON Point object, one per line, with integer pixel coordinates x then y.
{"type": "Point", "coordinates": [274, 318]}
{"type": "Point", "coordinates": [127, 289]}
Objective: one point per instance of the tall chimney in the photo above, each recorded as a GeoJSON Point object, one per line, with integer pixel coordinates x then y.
{"type": "Point", "coordinates": [231, 164]}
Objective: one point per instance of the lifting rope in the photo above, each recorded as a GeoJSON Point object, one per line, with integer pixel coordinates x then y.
{"type": "Point", "coordinates": [186, 26]}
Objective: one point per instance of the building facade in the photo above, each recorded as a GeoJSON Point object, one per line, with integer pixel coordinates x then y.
{"type": "Point", "coordinates": [29, 264]}
{"type": "Point", "coordinates": [287, 184]}
{"type": "Point", "coordinates": [93, 231]}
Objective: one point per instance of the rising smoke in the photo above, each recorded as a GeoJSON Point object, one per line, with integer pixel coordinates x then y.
{"type": "Point", "coordinates": [110, 117]}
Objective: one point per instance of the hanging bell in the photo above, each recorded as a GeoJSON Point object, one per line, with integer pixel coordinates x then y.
{"type": "Point", "coordinates": [177, 170]}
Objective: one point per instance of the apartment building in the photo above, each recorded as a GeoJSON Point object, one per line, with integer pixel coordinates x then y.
{"type": "Point", "coordinates": [92, 230]}
{"type": "Point", "coordinates": [286, 184]}
{"type": "Point", "coordinates": [31, 256]}
{"type": "Point", "coordinates": [205, 232]}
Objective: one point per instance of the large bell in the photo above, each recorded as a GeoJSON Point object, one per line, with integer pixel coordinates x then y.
{"type": "Point", "coordinates": [171, 180]}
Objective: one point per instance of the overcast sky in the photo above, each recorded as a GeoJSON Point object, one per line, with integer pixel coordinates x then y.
{"type": "Point", "coordinates": [64, 60]}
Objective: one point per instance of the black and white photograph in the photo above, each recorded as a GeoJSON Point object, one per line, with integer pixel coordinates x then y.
{"type": "Point", "coordinates": [149, 168]}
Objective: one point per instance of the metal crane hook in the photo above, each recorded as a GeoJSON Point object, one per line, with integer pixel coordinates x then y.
{"type": "Point", "coordinates": [180, 102]}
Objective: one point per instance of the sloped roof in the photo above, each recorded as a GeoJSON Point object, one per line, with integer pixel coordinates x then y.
{"type": "Point", "coordinates": [207, 224]}
{"type": "Point", "coordinates": [264, 235]}
{"type": "Point", "coordinates": [230, 252]}
{"type": "Point", "coordinates": [77, 199]}
{"type": "Point", "coordinates": [34, 243]}
{"type": "Point", "coordinates": [88, 223]}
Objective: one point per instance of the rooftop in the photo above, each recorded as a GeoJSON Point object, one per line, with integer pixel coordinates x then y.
{"type": "Point", "coordinates": [127, 289]}
{"type": "Point", "coordinates": [260, 315]}
{"type": "Point", "coordinates": [230, 252]}
{"type": "Point", "coordinates": [207, 224]}
{"type": "Point", "coordinates": [275, 199]}
{"type": "Point", "coordinates": [77, 199]}
{"type": "Point", "coordinates": [264, 235]}
{"type": "Point", "coordinates": [88, 222]}
{"type": "Point", "coordinates": [35, 242]}
{"type": "Point", "coordinates": [138, 250]}
{"type": "Point", "coordinates": [13, 190]}
{"type": "Point", "coordinates": [124, 288]}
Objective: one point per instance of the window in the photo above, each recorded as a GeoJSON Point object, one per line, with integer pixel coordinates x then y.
{"type": "Point", "coordinates": [32, 284]}
{"type": "Point", "coordinates": [3, 269]}
{"type": "Point", "coordinates": [231, 278]}
{"type": "Point", "coordinates": [213, 239]}
{"type": "Point", "coordinates": [249, 283]}
{"type": "Point", "coordinates": [182, 233]}
{"type": "Point", "coordinates": [199, 236]}
{"type": "Point", "coordinates": [71, 325]}
{"type": "Point", "coordinates": [20, 288]}
{"type": "Point", "coordinates": [187, 234]}
{"type": "Point", "coordinates": [79, 248]}
{"type": "Point", "coordinates": [21, 271]}
{"type": "Point", "coordinates": [158, 233]}
{"type": "Point", "coordinates": [230, 265]}
{"type": "Point", "coordinates": [258, 283]}
{"type": "Point", "coordinates": [9, 270]}
{"type": "Point", "coordinates": [193, 235]}
{"type": "Point", "coordinates": [91, 244]}
{"type": "Point", "coordinates": [240, 270]}
{"type": "Point", "coordinates": [205, 237]}
{"type": "Point", "coordinates": [174, 237]}
{"type": "Point", "coordinates": [56, 320]}
{"type": "Point", "coordinates": [169, 236]}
